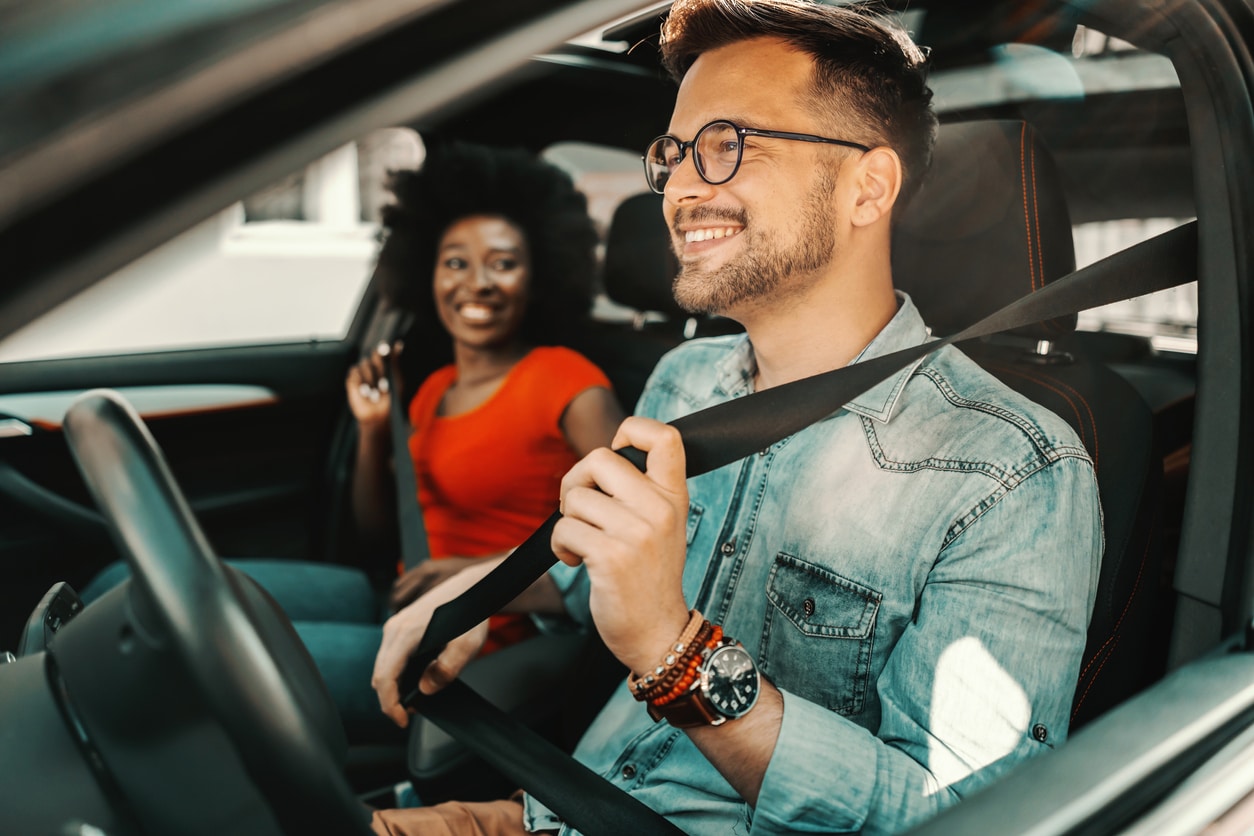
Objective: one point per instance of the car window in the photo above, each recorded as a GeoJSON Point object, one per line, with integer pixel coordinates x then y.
{"type": "Point", "coordinates": [606, 176]}
{"type": "Point", "coordinates": [287, 264]}
{"type": "Point", "coordinates": [1168, 319]}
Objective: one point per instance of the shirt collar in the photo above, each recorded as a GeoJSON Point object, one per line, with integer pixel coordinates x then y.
{"type": "Point", "coordinates": [904, 330]}
{"type": "Point", "coordinates": [734, 373]}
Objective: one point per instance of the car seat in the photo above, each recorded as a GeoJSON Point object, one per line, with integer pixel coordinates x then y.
{"type": "Point", "coordinates": [639, 269]}
{"type": "Point", "coordinates": [990, 225]}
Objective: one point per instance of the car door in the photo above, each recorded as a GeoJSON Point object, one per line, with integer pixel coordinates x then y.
{"type": "Point", "coordinates": [232, 342]}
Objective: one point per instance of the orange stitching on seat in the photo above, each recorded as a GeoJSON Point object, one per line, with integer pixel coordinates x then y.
{"type": "Point", "coordinates": [1027, 221]}
{"type": "Point", "coordinates": [1050, 325]}
{"type": "Point", "coordinates": [1114, 631]}
{"type": "Point", "coordinates": [1036, 219]}
{"type": "Point", "coordinates": [1040, 381]}
{"type": "Point", "coordinates": [1076, 709]}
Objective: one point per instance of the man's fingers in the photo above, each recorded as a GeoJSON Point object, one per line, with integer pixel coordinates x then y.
{"type": "Point", "coordinates": [666, 463]}
{"type": "Point", "coordinates": [388, 694]}
{"type": "Point", "coordinates": [456, 655]}
{"type": "Point", "coordinates": [603, 470]}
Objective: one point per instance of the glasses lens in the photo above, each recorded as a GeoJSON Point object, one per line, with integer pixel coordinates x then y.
{"type": "Point", "coordinates": [717, 152]}
{"type": "Point", "coordinates": [659, 161]}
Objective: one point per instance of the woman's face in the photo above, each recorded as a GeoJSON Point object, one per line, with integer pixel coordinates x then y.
{"type": "Point", "coordinates": [482, 281]}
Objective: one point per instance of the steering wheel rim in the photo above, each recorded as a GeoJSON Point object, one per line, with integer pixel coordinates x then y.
{"type": "Point", "coordinates": [265, 692]}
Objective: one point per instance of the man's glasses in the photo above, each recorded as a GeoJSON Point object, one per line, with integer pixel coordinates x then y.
{"type": "Point", "coordinates": [716, 152]}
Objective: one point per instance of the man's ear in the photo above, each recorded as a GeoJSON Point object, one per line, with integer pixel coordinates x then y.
{"type": "Point", "coordinates": [878, 182]}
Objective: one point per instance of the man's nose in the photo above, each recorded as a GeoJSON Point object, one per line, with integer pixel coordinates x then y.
{"type": "Point", "coordinates": [685, 185]}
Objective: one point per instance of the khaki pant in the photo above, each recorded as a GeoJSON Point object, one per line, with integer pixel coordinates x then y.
{"type": "Point", "coordinates": [453, 818]}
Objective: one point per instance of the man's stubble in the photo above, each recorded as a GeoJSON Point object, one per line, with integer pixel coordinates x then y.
{"type": "Point", "coordinates": [763, 268]}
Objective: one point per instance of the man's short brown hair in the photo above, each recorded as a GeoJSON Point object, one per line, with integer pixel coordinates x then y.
{"type": "Point", "coordinates": [870, 79]}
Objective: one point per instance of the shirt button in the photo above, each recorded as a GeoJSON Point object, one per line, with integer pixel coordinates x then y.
{"type": "Point", "coordinates": [728, 547]}
{"type": "Point", "coordinates": [807, 607]}
{"type": "Point", "coordinates": [629, 772]}
{"type": "Point", "coordinates": [1040, 732]}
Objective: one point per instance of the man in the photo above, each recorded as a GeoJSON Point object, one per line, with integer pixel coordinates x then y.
{"type": "Point", "coordinates": [911, 578]}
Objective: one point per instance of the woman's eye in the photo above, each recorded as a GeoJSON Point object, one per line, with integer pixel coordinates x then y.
{"type": "Point", "coordinates": [504, 265]}
{"type": "Point", "coordinates": [455, 263]}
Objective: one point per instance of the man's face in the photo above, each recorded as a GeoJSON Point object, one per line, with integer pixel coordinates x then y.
{"type": "Point", "coordinates": [769, 231]}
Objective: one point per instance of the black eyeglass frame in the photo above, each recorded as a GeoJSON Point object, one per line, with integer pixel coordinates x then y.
{"type": "Point", "coordinates": [741, 132]}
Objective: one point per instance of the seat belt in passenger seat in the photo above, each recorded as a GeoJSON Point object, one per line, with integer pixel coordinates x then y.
{"type": "Point", "coordinates": [414, 545]}
{"type": "Point", "coordinates": [712, 438]}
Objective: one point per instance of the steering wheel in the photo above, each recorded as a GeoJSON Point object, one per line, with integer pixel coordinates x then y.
{"type": "Point", "coordinates": [251, 676]}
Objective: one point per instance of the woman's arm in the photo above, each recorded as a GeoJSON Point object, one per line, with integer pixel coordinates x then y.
{"type": "Point", "coordinates": [373, 484]}
{"type": "Point", "coordinates": [591, 419]}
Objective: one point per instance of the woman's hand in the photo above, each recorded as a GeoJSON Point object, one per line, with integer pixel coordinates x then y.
{"type": "Point", "coordinates": [417, 581]}
{"type": "Point", "coordinates": [368, 389]}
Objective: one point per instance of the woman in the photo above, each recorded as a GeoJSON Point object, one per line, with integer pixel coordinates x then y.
{"type": "Point", "coordinates": [495, 429]}
{"type": "Point", "coordinates": [493, 252]}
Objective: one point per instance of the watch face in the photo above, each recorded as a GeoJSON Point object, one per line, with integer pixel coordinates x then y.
{"type": "Point", "coordinates": [730, 681]}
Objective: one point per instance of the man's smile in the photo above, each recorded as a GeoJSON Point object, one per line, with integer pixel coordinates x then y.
{"type": "Point", "coordinates": [692, 236]}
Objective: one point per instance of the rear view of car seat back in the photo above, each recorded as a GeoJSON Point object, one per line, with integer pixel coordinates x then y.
{"type": "Point", "coordinates": [990, 225]}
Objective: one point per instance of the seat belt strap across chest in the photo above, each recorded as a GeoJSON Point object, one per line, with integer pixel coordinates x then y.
{"type": "Point", "coordinates": [712, 438]}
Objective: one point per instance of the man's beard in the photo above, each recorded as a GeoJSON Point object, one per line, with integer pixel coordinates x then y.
{"type": "Point", "coordinates": [763, 267]}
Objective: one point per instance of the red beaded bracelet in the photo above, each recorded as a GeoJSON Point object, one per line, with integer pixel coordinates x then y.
{"type": "Point", "coordinates": [648, 682]}
{"type": "Point", "coordinates": [690, 672]}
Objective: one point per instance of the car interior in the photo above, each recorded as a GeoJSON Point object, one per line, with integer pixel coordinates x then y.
{"type": "Point", "coordinates": [245, 449]}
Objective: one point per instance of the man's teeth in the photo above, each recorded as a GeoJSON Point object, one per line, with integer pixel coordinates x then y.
{"type": "Point", "coordinates": [476, 312]}
{"type": "Point", "coordinates": [694, 235]}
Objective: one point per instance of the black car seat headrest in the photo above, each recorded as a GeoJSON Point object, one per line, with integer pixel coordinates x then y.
{"type": "Point", "coordinates": [989, 225]}
{"type": "Point", "coordinates": [640, 265]}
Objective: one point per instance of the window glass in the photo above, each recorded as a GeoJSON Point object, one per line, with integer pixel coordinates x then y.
{"type": "Point", "coordinates": [1167, 318]}
{"type": "Point", "coordinates": [607, 177]}
{"type": "Point", "coordinates": [287, 264]}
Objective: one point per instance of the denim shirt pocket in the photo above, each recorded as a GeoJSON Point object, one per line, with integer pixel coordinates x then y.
{"type": "Point", "coordinates": [818, 634]}
{"type": "Point", "coordinates": [694, 521]}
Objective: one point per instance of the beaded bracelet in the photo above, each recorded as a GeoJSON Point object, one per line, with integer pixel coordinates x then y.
{"type": "Point", "coordinates": [690, 673]}
{"type": "Point", "coordinates": [682, 663]}
{"type": "Point", "coordinates": [639, 685]}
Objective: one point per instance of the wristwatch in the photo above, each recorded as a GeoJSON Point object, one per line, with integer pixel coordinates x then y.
{"type": "Point", "coordinates": [725, 688]}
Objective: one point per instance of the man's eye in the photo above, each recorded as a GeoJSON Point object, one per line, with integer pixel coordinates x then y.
{"type": "Point", "coordinates": [729, 146]}
{"type": "Point", "coordinates": [673, 161]}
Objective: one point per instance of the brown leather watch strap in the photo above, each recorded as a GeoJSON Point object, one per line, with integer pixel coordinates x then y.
{"type": "Point", "coordinates": [687, 711]}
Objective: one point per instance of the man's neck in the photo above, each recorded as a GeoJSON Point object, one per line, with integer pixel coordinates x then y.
{"type": "Point", "coordinates": [822, 329]}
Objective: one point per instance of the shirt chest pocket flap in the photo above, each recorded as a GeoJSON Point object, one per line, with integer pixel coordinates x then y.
{"type": "Point", "coordinates": [818, 634]}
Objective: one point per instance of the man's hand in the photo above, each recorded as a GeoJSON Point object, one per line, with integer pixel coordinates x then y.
{"type": "Point", "coordinates": [628, 528]}
{"type": "Point", "coordinates": [419, 580]}
{"type": "Point", "coordinates": [403, 632]}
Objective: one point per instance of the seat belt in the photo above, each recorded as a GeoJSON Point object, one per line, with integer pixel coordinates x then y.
{"type": "Point", "coordinates": [712, 438]}
{"type": "Point", "coordinates": [415, 548]}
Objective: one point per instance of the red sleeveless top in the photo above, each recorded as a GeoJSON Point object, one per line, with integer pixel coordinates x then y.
{"type": "Point", "coordinates": [489, 477]}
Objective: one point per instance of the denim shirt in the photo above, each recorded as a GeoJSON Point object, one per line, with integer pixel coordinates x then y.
{"type": "Point", "coordinates": [914, 573]}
